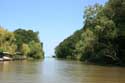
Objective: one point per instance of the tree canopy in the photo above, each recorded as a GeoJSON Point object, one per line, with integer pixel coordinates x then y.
{"type": "Point", "coordinates": [101, 40]}
{"type": "Point", "coordinates": [25, 42]}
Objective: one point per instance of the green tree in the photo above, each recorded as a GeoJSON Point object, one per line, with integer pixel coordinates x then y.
{"type": "Point", "coordinates": [36, 50]}
{"type": "Point", "coordinates": [7, 41]}
{"type": "Point", "coordinates": [29, 44]}
{"type": "Point", "coordinates": [25, 49]}
{"type": "Point", "coordinates": [102, 38]}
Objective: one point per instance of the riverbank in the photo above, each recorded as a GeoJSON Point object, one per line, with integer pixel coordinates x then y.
{"type": "Point", "coordinates": [118, 64]}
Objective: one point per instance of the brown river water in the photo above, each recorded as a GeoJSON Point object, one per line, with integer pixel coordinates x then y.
{"type": "Point", "coordinates": [58, 71]}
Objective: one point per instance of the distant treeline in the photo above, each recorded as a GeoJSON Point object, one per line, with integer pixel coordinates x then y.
{"type": "Point", "coordinates": [21, 43]}
{"type": "Point", "coordinates": [102, 38]}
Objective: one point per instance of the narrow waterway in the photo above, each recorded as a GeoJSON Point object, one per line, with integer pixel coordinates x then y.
{"type": "Point", "coordinates": [58, 71]}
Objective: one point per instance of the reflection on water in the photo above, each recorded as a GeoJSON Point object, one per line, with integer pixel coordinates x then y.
{"type": "Point", "coordinates": [58, 71]}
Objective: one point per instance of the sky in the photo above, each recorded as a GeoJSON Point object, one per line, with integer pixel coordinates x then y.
{"type": "Point", "coordinates": [53, 19]}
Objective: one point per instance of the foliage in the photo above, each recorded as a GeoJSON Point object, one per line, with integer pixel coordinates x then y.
{"type": "Point", "coordinates": [36, 50]}
{"type": "Point", "coordinates": [25, 49]}
{"type": "Point", "coordinates": [67, 47]}
{"type": "Point", "coordinates": [102, 38]}
{"type": "Point", "coordinates": [7, 41]}
{"type": "Point", "coordinates": [28, 43]}
{"type": "Point", "coordinates": [25, 42]}
{"type": "Point", "coordinates": [25, 36]}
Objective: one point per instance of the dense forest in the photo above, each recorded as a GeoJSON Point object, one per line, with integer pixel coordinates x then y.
{"type": "Point", "coordinates": [21, 44]}
{"type": "Point", "coordinates": [101, 40]}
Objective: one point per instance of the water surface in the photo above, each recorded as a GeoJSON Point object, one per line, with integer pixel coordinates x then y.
{"type": "Point", "coordinates": [58, 71]}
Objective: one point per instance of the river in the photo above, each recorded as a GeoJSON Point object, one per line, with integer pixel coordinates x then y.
{"type": "Point", "coordinates": [58, 71]}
